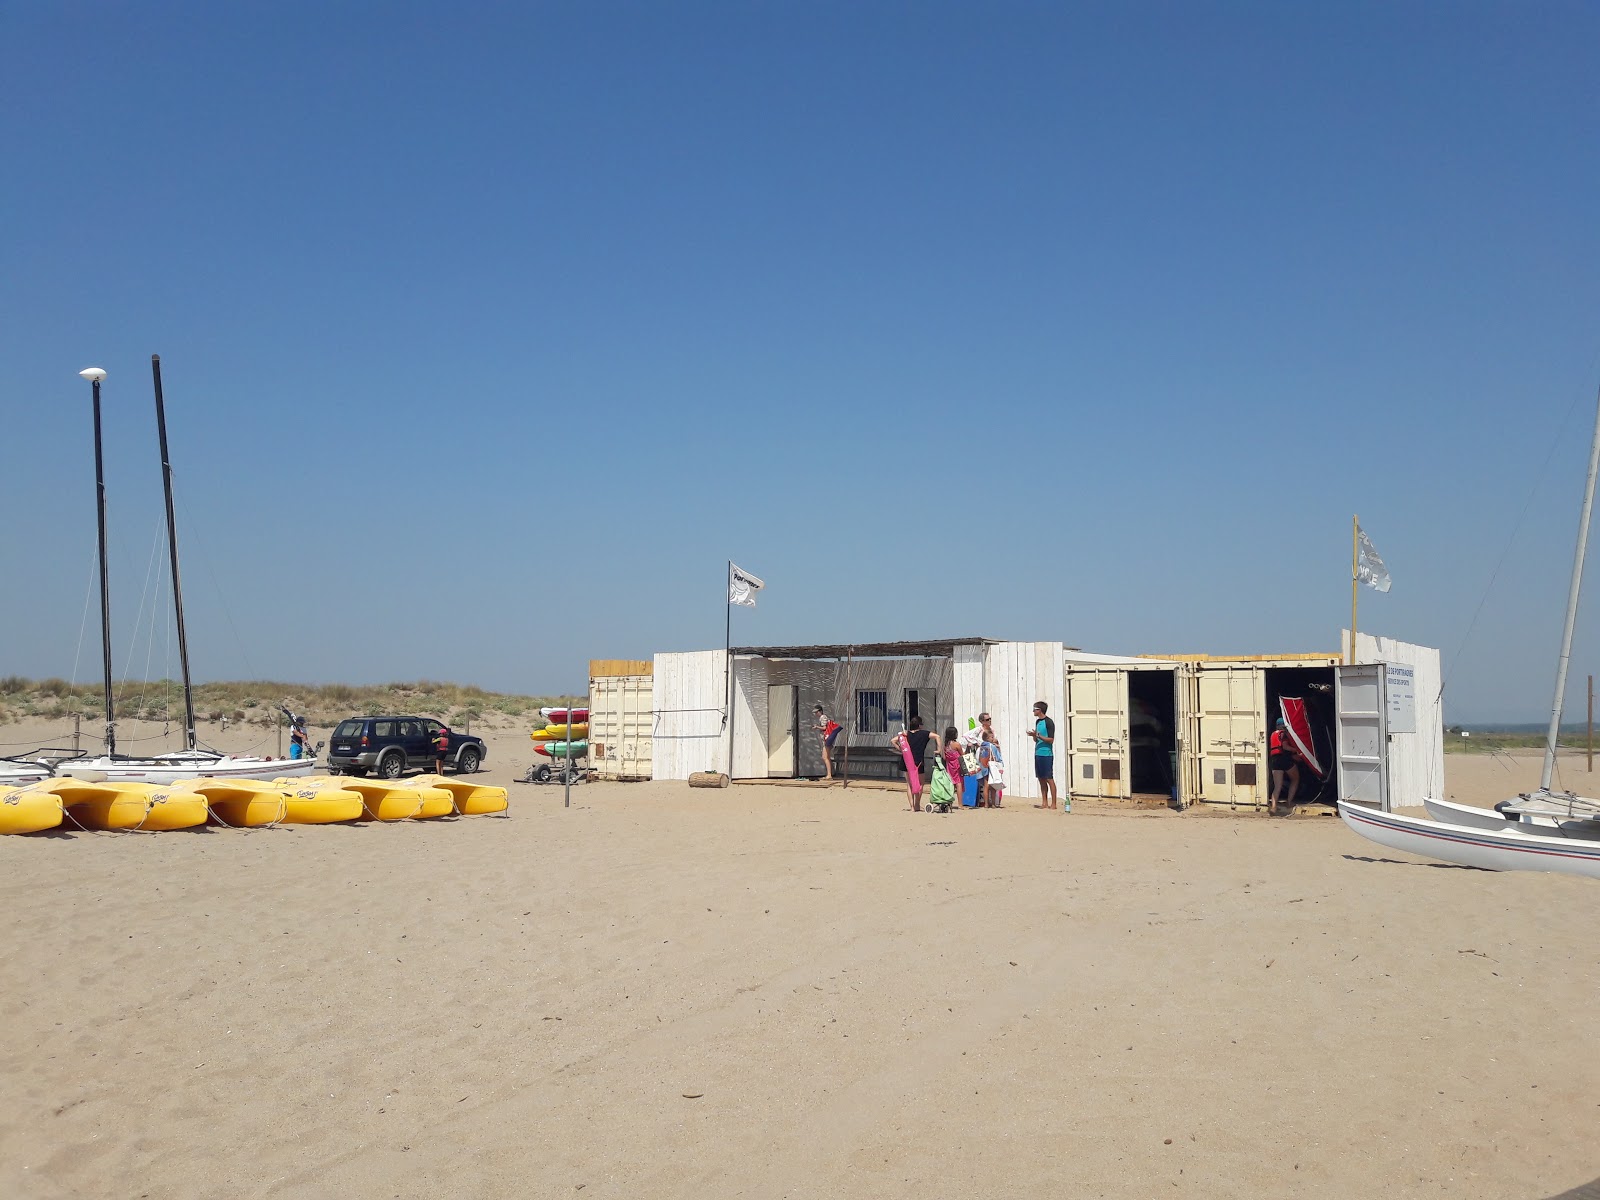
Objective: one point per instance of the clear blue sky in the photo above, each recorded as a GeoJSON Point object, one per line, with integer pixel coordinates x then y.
{"type": "Point", "coordinates": [490, 332]}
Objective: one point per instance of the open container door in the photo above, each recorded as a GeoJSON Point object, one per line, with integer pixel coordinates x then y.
{"type": "Point", "coordinates": [1363, 734]}
{"type": "Point", "coordinates": [1097, 709]}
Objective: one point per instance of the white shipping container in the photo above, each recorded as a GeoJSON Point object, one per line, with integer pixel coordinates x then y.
{"type": "Point", "coordinates": [620, 726]}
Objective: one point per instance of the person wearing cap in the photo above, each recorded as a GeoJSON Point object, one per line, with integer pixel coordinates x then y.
{"type": "Point", "coordinates": [441, 747]}
{"type": "Point", "coordinates": [1282, 759]}
{"type": "Point", "coordinates": [827, 731]}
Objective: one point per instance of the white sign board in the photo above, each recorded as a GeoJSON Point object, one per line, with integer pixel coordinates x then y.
{"type": "Point", "coordinates": [1401, 691]}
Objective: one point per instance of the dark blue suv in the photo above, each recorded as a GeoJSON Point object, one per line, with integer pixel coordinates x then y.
{"type": "Point", "coordinates": [389, 746]}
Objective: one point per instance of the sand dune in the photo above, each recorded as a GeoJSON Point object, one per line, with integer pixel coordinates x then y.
{"type": "Point", "coordinates": [772, 991]}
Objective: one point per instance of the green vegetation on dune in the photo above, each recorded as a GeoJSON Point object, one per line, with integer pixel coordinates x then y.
{"type": "Point", "coordinates": [256, 702]}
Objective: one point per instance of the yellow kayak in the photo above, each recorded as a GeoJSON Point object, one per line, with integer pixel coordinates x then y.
{"type": "Point", "coordinates": [29, 809]}
{"type": "Point", "coordinates": [558, 733]}
{"type": "Point", "coordinates": [318, 800]}
{"type": "Point", "coordinates": [242, 803]}
{"type": "Point", "coordinates": [470, 798]}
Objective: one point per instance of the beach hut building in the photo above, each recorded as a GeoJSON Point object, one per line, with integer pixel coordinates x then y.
{"type": "Point", "coordinates": [1179, 729]}
{"type": "Point", "coordinates": [1190, 729]}
{"type": "Point", "coordinates": [872, 689]}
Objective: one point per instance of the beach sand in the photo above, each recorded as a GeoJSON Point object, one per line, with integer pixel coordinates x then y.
{"type": "Point", "coordinates": [778, 991]}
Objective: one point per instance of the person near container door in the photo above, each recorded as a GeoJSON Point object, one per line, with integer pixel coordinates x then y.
{"type": "Point", "coordinates": [1283, 759]}
{"type": "Point", "coordinates": [914, 738]}
{"type": "Point", "coordinates": [992, 769]}
{"type": "Point", "coordinates": [1043, 734]}
{"type": "Point", "coordinates": [827, 733]}
{"type": "Point", "coordinates": [951, 753]}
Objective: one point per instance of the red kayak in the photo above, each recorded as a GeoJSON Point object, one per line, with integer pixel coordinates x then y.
{"type": "Point", "coordinates": [558, 716]}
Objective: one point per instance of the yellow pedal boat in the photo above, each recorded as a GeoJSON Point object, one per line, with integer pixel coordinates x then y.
{"type": "Point", "coordinates": [470, 798]}
{"type": "Point", "coordinates": [151, 807]}
{"type": "Point", "coordinates": [318, 800]}
{"type": "Point", "coordinates": [29, 808]}
{"type": "Point", "coordinates": [242, 803]}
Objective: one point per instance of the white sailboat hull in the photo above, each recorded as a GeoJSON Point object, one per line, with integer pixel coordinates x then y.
{"type": "Point", "coordinates": [184, 767]}
{"type": "Point", "coordinates": [1505, 849]}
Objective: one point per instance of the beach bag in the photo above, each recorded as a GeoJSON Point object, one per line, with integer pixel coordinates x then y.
{"type": "Point", "coordinates": [997, 773]}
{"type": "Point", "coordinates": [941, 791]}
{"type": "Point", "coordinates": [969, 761]}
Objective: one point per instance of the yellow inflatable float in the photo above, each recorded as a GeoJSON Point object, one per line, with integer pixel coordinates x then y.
{"type": "Point", "coordinates": [382, 800]}
{"type": "Point", "coordinates": [470, 799]}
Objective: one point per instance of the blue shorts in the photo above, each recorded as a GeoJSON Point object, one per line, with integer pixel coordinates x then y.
{"type": "Point", "coordinates": [1044, 766]}
{"type": "Point", "coordinates": [830, 739]}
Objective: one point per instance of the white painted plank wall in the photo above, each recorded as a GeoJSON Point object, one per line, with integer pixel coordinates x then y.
{"type": "Point", "coordinates": [1416, 760]}
{"type": "Point", "coordinates": [1015, 675]}
{"type": "Point", "coordinates": [687, 698]}
{"type": "Point", "coordinates": [750, 679]}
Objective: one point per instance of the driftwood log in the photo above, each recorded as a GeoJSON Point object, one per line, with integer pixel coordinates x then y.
{"type": "Point", "coordinates": [708, 779]}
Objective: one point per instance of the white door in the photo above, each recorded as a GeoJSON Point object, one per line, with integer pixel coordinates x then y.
{"type": "Point", "coordinates": [1363, 737]}
{"type": "Point", "coordinates": [1230, 733]}
{"type": "Point", "coordinates": [620, 726]}
{"type": "Point", "coordinates": [1097, 711]}
{"type": "Point", "coordinates": [782, 740]}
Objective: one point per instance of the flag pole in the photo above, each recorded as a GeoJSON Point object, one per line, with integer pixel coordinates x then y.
{"type": "Point", "coordinates": [727, 663]}
{"type": "Point", "coordinates": [1355, 575]}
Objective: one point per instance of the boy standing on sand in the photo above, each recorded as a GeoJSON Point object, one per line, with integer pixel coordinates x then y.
{"type": "Point", "coordinates": [1043, 734]}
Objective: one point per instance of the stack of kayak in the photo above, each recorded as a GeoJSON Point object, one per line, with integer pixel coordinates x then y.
{"type": "Point", "coordinates": [312, 800]}
{"type": "Point", "coordinates": [558, 739]}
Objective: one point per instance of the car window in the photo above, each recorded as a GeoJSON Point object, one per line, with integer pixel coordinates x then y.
{"type": "Point", "coordinates": [383, 729]}
{"type": "Point", "coordinates": [431, 727]}
{"type": "Point", "coordinates": [348, 729]}
{"type": "Point", "coordinates": [408, 729]}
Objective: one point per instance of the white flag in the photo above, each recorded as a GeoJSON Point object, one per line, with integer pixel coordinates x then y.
{"type": "Point", "coordinates": [1369, 567]}
{"type": "Point", "coordinates": [742, 586]}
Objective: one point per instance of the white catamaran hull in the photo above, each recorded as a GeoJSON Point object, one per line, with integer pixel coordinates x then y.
{"type": "Point", "coordinates": [15, 773]}
{"type": "Point", "coordinates": [181, 768]}
{"type": "Point", "coordinates": [1490, 849]}
{"type": "Point", "coordinates": [1452, 813]}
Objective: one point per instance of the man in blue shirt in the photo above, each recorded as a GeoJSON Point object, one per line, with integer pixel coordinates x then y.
{"type": "Point", "coordinates": [1043, 734]}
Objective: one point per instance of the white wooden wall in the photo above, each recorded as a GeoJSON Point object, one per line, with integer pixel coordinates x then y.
{"type": "Point", "coordinates": [687, 698]}
{"type": "Point", "coordinates": [970, 693]}
{"type": "Point", "coordinates": [750, 679]}
{"type": "Point", "coordinates": [1416, 760]}
{"type": "Point", "coordinates": [1015, 675]}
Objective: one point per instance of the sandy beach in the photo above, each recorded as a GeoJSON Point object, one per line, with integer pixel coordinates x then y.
{"type": "Point", "coordinates": [783, 991]}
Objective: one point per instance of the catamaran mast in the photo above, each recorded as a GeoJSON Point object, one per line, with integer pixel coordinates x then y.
{"type": "Point", "coordinates": [94, 375]}
{"type": "Point", "coordinates": [1572, 608]}
{"type": "Point", "coordinates": [172, 548]}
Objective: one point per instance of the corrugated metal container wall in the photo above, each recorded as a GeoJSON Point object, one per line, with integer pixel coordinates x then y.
{"type": "Point", "coordinates": [1416, 760]}
{"type": "Point", "coordinates": [689, 698]}
{"type": "Point", "coordinates": [621, 723]}
{"type": "Point", "coordinates": [1015, 675]}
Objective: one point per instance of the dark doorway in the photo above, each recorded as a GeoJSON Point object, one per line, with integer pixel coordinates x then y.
{"type": "Point", "coordinates": [1152, 732]}
{"type": "Point", "coordinates": [1314, 685]}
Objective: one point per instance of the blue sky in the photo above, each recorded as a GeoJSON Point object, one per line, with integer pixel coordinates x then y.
{"type": "Point", "coordinates": [490, 332]}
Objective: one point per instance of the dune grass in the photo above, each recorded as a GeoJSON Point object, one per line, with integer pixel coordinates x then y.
{"type": "Point", "coordinates": [256, 701]}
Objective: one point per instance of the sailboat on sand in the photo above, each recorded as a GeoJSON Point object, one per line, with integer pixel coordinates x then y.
{"type": "Point", "coordinates": [1542, 830]}
{"type": "Point", "coordinates": [193, 762]}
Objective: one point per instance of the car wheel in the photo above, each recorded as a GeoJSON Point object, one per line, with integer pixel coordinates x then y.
{"type": "Point", "coordinates": [392, 765]}
{"type": "Point", "coordinates": [468, 762]}
{"type": "Point", "coordinates": [542, 775]}
{"type": "Point", "coordinates": [358, 772]}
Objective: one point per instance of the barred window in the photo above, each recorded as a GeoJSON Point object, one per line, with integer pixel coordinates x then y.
{"type": "Point", "coordinates": [872, 712]}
